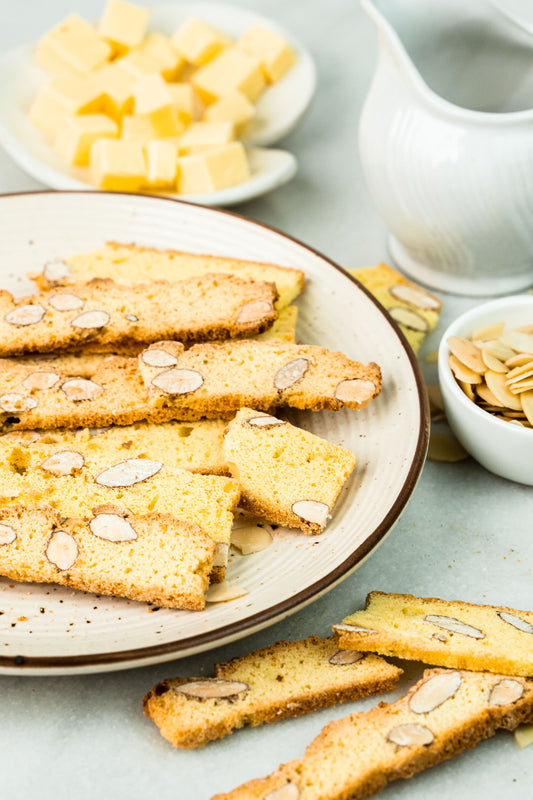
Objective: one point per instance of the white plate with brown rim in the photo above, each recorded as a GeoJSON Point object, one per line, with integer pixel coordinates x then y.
{"type": "Point", "coordinates": [49, 629]}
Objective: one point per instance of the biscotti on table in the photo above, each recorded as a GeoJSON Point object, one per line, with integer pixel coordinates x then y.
{"type": "Point", "coordinates": [107, 314]}
{"type": "Point", "coordinates": [167, 382]}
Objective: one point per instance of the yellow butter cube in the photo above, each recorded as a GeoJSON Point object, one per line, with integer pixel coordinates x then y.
{"type": "Point", "coordinates": [161, 163]}
{"type": "Point", "coordinates": [137, 63]}
{"type": "Point", "coordinates": [124, 24]}
{"type": "Point", "coordinates": [73, 45]}
{"type": "Point", "coordinates": [117, 165]}
{"type": "Point", "coordinates": [233, 70]}
{"type": "Point", "coordinates": [77, 135]}
{"type": "Point", "coordinates": [116, 86]}
{"type": "Point", "coordinates": [182, 95]}
{"type": "Point", "coordinates": [206, 135]}
{"type": "Point", "coordinates": [161, 48]}
{"type": "Point", "coordinates": [214, 169]}
{"type": "Point", "coordinates": [273, 51]}
{"type": "Point", "coordinates": [152, 99]}
{"type": "Point", "coordinates": [199, 42]}
{"type": "Point", "coordinates": [235, 107]}
{"type": "Point", "coordinates": [62, 97]}
{"type": "Point", "coordinates": [138, 128]}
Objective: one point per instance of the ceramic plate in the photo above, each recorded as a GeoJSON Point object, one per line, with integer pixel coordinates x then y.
{"type": "Point", "coordinates": [279, 110]}
{"type": "Point", "coordinates": [48, 629]}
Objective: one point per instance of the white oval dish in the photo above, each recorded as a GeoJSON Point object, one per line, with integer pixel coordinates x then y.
{"type": "Point", "coordinates": [279, 110]}
{"type": "Point", "coordinates": [502, 448]}
{"type": "Point", "coordinates": [79, 632]}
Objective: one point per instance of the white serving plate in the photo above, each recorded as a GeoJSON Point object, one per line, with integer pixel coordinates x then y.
{"type": "Point", "coordinates": [279, 110]}
{"type": "Point", "coordinates": [52, 630]}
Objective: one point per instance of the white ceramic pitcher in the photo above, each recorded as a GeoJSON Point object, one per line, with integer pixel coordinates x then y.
{"type": "Point", "coordinates": [446, 143]}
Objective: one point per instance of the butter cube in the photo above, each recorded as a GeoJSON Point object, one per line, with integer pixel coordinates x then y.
{"type": "Point", "coordinates": [199, 42]}
{"type": "Point", "coordinates": [235, 107]}
{"type": "Point", "coordinates": [214, 169]}
{"type": "Point", "coordinates": [161, 162]}
{"type": "Point", "coordinates": [116, 86]}
{"type": "Point", "coordinates": [233, 70]}
{"type": "Point", "coordinates": [162, 50]}
{"type": "Point", "coordinates": [124, 24]}
{"type": "Point", "coordinates": [206, 135]}
{"type": "Point", "coordinates": [137, 63]}
{"type": "Point", "coordinates": [182, 95]}
{"type": "Point", "coordinates": [77, 135]}
{"type": "Point", "coordinates": [152, 99]}
{"type": "Point", "coordinates": [138, 128]}
{"type": "Point", "coordinates": [63, 97]}
{"type": "Point", "coordinates": [73, 45]}
{"type": "Point", "coordinates": [117, 165]}
{"type": "Point", "coordinates": [273, 51]}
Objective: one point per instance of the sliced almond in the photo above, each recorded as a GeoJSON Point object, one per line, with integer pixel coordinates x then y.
{"type": "Point", "coordinates": [409, 319]}
{"type": "Point", "coordinates": [62, 550]}
{"type": "Point", "coordinates": [505, 692]}
{"type": "Point", "coordinates": [355, 390]}
{"type": "Point", "coordinates": [462, 372]}
{"type": "Point", "coordinates": [156, 357]}
{"type": "Point", "coordinates": [497, 349]}
{"type": "Point", "coordinates": [112, 528]}
{"type": "Point", "coordinates": [344, 627]}
{"type": "Point", "coordinates": [78, 389]}
{"type": "Point", "coordinates": [132, 318]}
{"type": "Point", "coordinates": [434, 692]}
{"type": "Point", "coordinates": [518, 360]}
{"type": "Point", "coordinates": [65, 301]}
{"type": "Point", "coordinates": [7, 534]}
{"type": "Point", "coordinates": [496, 383]}
{"type": "Point", "coordinates": [440, 637]}
{"type": "Point", "coordinates": [523, 735]}
{"type": "Point", "coordinates": [410, 735]}
{"type": "Point", "coordinates": [25, 315]}
{"type": "Point", "coordinates": [265, 421]}
{"type": "Point", "coordinates": [212, 688]}
{"type": "Point", "coordinates": [313, 511]}
{"type": "Point", "coordinates": [15, 403]}
{"type": "Point", "coordinates": [251, 539]}
{"type": "Point", "coordinates": [221, 554]}
{"type": "Point", "coordinates": [128, 473]}
{"type": "Point", "coordinates": [287, 792]}
{"type": "Point", "coordinates": [416, 297]}
{"type": "Point", "coordinates": [521, 386]}
{"type": "Point", "coordinates": [517, 622]}
{"type": "Point", "coordinates": [520, 342]}
{"type": "Point", "coordinates": [526, 398]}
{"type": "Point", "coordinates": [520, 372]}
{"type": "Point", "coordinates": [454, 625]}
{"type": "Point", "coordinates": [467, 353]}
{"type": "Point", "coordinates": [346, 657]}
{"type": "Point", "coordinates": [223, 592]}
{"type": "Point", "coordinates": [40, 380]}
{"type": "Point", "coordinates": [485, 393]}
{"type": "Point", "coordinates": [56, 270]}
{"type": "Point", "coordinates": [254, 311]}
{"type": "Point", "coordinates": [91, 319]}
{"type": "Point", "coordinates": [178, 381]}
{"type": "Point", "coordinates": [445, 449]}
{"type": "Point", "coordinates": [67, 462]}
{"type": "Point", "coordinates": [291, 373]}
{"type": "Point", "coordinates": [493, 363]}
{"type": "Point", "coordinates": [468, 390]}
{"type": "Point", "coordinates": [488, 332]}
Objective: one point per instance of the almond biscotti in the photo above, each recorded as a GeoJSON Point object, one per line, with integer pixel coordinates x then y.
{"type": "Point", "coordinates": [216, 379]}
{"type": "Point", "coordinates": [287, 475]}
{"type": "Point", "coordinates": [150, 557]}
{"type": "Point", "coordinates": [286, 679]}
{"type": "Point", "coordinates": [107, 314]}
{"type": "Point", "coordinates": [131, 264]}
{"type": "Point", "coordinates": [444, 713]}
{"type": "Point", "coordinates": [75, 487]}
{"type": "Point", "coordinates": [447, 633]}
{"type": "Point", "coordinates": [168, 382]}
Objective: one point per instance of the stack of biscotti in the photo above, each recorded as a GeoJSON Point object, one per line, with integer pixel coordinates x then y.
{"type": "Point", "coordinates": [131, 363]}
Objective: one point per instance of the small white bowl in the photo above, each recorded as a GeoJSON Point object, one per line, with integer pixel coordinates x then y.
{"type": "Point", "coordinates": [502, 448]}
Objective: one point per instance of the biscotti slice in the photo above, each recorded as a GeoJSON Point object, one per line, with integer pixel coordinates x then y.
{"type": "Point", "coordinates": [214, 379]}
{"type": "Point", "coordinates": [414, 309]}
{"type": "Point", "coordinates": [287, 475]}
{"type": "Point", "coordinates": [151, 557]}
{"type": "Point", "coordinates": [444, 713]}
{"type": "Point", "coordinates": [447, 633]}
{"type": "Point", "coordinates": [131, 264]}
{"type": "Point", "coordinates": [132, 485]}
{"type": "Point", "coordinates": [106, 314]}
{"type": "Point", "coordinates": [286, 679]}
{"type": "Point", "coordinates": [196, 446]}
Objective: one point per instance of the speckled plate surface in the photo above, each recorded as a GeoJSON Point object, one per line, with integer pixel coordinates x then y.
{"type": "Point", "coordinates": [53, 630]}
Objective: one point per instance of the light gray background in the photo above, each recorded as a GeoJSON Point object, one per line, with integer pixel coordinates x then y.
{"type": "Point", "coordinates": [465, 533]}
